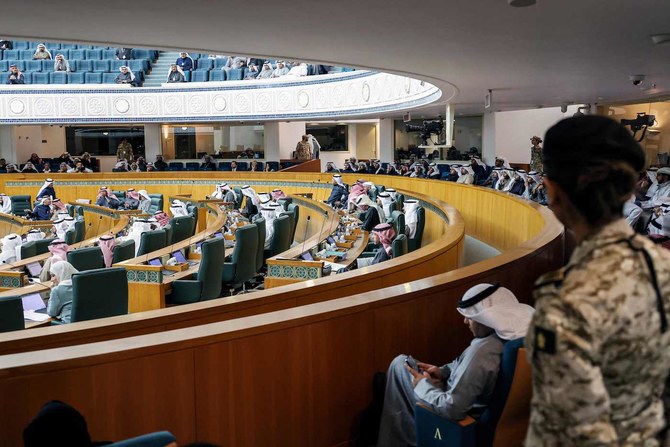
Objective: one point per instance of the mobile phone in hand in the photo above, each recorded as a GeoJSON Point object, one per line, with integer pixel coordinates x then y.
{"type": "Point", "coordinates": [409, 361]}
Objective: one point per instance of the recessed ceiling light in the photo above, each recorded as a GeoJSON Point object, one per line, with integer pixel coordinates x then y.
{"type": "Point", "coordinates": [521, 3]}
{"type": "Point", "coordinates": [660, 39]}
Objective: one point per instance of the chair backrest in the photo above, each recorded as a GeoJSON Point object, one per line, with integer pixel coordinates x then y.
{"type": "Point", "coordinates": [28, 250]}
{"type": "Point", "coordinates": [415, 242]}
{"type": "Point", "coordinates": [182, 228]}
{"type": "Point", "coordinates": [260, 226]}
{"type": "Point", "coordinates": [295, 210]}
{"type": "Point", "coordinates": [239, 196]}
{"type": "Point", "coordinates": [152, 241]}
{"type": "Point", "coordinates": [78, 211]}
{"type": "Point", "coordinates": [119, 194]}
{"type": "Point", "coordinates": [42, 246]}
{"type": "Point", "coordinates": [285, 202]}
{"type": "Point", "coordinates": [399, 245]}
{"type": "Point", "coordinates": [91, 301]}
{"type": "Point", "coordinates": [168, 232]}
{"type": "Point", "coordinates": [157, 439]}
{"type": "Point", "coordinates": [398, 222]}
{"type": "Point", "coordinates": [79, 229]}
{"type": "Point", "coordinates": [124, 251]}
{"type": "Point", "coordinates": [505, 420]}
{"type": "Point", "coordinates": [87, 258]}
{"type": "Point", "coordinates": [193, 211]}
{"type": "Point", "coordinates": [20, 204]}
{"type": "Point", "coordinates": [156, 203]}
{"type": "Point", "coordinates": [281, 239]}
{"type": "Point", "coordinates": [11, 314]}
{"type": "Point", "coordinates": [70, 236]}
{"type": "Point", "coordinates": [400, 198]}
{"type": "Point", "coordinates": [210, 272]}
{"type": "Point", "coordinates": [246, 241]}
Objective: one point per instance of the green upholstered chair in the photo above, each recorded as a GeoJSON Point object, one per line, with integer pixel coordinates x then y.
{"type": "Point", "coordinates": [123, 251]}
{"type": "Point", "coordinates": [91, 301]}
{"type": "Point", "coordinates": [78, 211]}
{"type": "Point", "coordinates": [157, 439]}
{"type": "Point", "coordinates": [21, 204]}
{"type": "Point", "coordinates": [207, 284]}
{"type": "Point", "coordinates": [239, 197]}
{"type": "Point", "coordinates": [415, 242]}
{"type": "Point", "coordinates": [260, 226]}
{"type": "Point", "coordinates": [70, 209]}
{"type": "Point", "coordinates": [168, 232]}
{"type": "Point", "coordinates": [119, 194]}
{"type": "Point", "coordinates": [398, 221]}
{"type": "Point", "coordinates": [182, 228]}
{"type": "Point", "coordinates": [281, 239]}
{"type": "Point", "coordinates": [193, 211]}
{"type": "Point", "coordinates": [79, 229]}
{"type": "Point", "coordinates": [42, 246]}
{"type": "Point", "coordinates": [400, 198]}
{"type": "Point", "coordinates": [70, 236]}
{"type": "Point", "coordinates": [295, 210]}
{"type": "Point", "coordinates": [87, 258]}
{"type": "Point", "coordinates": [28, 250]}
{"type": "Point", "coordinates": [156, 203]}
{"type": "Point", "coordinates": [152, 241]}
{"type": "Point", "coordinates": [285, 202]}
{"type": "Point", "coordinates": [11, 314]}
{"type": "Point", "coordinates": [242, 267]}
{"type": "Point", "coordinates": [399, 246]}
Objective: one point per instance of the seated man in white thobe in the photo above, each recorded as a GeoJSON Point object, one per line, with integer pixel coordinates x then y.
{"type": "Point", "coordinates": [464, 386]}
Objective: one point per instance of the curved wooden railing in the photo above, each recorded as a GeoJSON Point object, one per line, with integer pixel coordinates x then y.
{"type": "Point", "coordinates": [442, 254]}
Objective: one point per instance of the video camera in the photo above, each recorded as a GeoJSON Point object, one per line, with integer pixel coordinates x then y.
{"type": "Point", "coordinates": [641, 122]}
{"type": "Point", "coordinates": [426, 129]}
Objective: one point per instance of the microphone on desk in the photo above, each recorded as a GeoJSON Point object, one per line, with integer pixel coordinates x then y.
{"type": "Point", "coordinates": [304, 237]}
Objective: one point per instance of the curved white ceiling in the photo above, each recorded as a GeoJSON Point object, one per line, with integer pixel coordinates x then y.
{"type": "Point", "coordinates": [553, 52]}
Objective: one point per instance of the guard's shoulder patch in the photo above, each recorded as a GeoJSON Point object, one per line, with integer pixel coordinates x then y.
{"type": "Point", "coordinates": [545, 340]}
{"type": "Point", "coordinates": [555, 277]}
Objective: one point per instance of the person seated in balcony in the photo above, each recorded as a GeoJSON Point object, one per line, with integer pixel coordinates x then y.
{"type": "Point", "coordinates": [12, 169]}
{"type": "Point", "coordinates": [280, 71]}
{"type": "Point", "coordinates": [29, 168]}
{"type": "Point", "coordinates": [234, 62]}
{"type": "Point", "coordinates": [266, 71]}
{"type": "Point", "coordinates": [63, 168]}
{"type": "Point", "coordinates": [433, 171]}
{"type": "Point", "coordinates": [42, 210]}
{"type": "Point", "coordinates": [15, 76]}
{"type": "Point", "coordinates": [6, 45]}
{"type": "Point", "coordinates": [87, 161]}
{"type": "Point", "coordinates": [160, 164]}
{"type": "Point", "coordinates": [79, 167]}
{"type": "Point", "coordinates": [61, 64]}
{"type": "Point", "coordinates": [124, 54]}
{"type": "Point", "coordinates": [331, 168]}
{"type": "Point", "coordinates": [36, 161]}
{"type": "Point", "coordinates": [252, 73]}
{"type": "Point", "coordinates": [106, 199]}
{"type": "Point", "coordinates": [467, 177]}
{"type": "Point", "coordinates": [46, 168]}
{"type": "Point", "coordinates": [268, 168]}
{"type": "Point", "coordinates": [391, 170]}
{"type": "Point", "coordinates": [208, 163]}
{"type": "Point", "coordinates": [233, 166]}
{"type": "Point", "coordinates": [151, 167]}
{"type": "Point", "coordinates": [254, 166]}
{"type": "Point", "coordinates": [60, 299]}
{"type": "Point", "coordinates": [41, 53]}
{"type": "Point", "coordinates": [460, 388]}
{"type": "Point", "coordinates": [417, 172]}
{"type": "Point", "coordinates": [185, 62]}
{"type": "Point", "coordinates": [299, 70]}
{"type": "Point", "coordinates": [126, 76]}
{"type": "Point", "coordinates": [176, 74]}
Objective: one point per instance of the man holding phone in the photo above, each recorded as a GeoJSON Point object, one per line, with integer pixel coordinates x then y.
{"type": "Point", "coordinates": [464, 386]}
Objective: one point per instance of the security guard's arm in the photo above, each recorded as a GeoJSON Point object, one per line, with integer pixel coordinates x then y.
{"type": "Point", "coordinates": [572, 402]}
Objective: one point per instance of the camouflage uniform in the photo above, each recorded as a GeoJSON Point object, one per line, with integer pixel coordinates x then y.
{"type": "Point", "coordinates": [125, 152]}
{"type": "Point", "coordinates": [303, 151]}
{"type": "Point", "coordinates": [597, 344]}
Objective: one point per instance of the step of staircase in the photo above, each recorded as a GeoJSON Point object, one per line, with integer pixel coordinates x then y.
{"type": "Point", "coordinates": [159, 69]}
